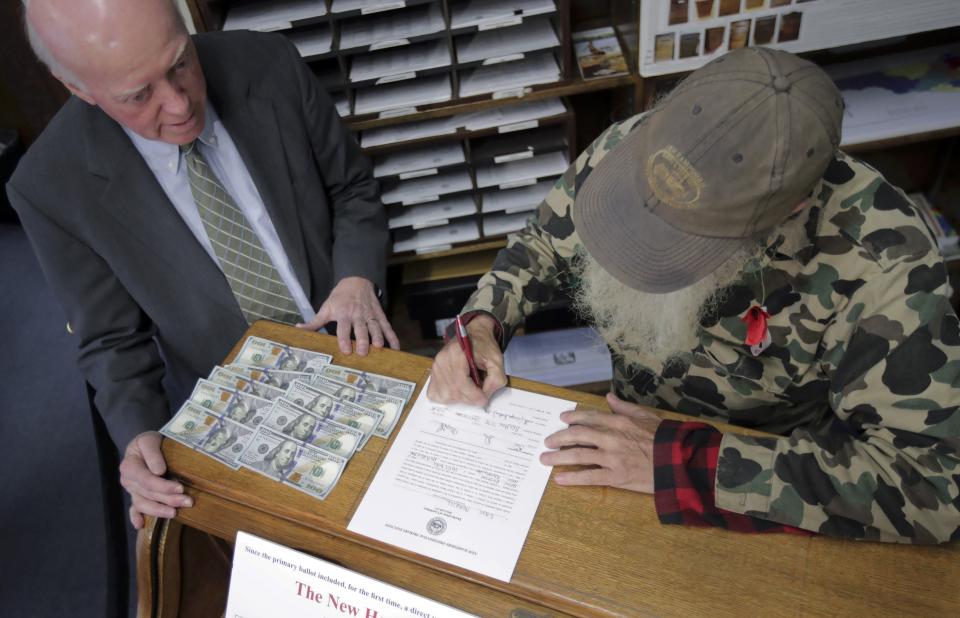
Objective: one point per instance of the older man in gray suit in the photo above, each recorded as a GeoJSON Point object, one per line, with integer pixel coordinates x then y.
{"type": "Point", "coordinates": [189, 187]}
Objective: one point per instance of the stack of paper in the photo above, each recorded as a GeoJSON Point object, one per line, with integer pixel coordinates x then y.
{"type": "Point", "coordinates": [522, 199]}
{"type": "Point", "coordinates": [392, 28]}
{"type": "Point", "coordinates": [401, 61]}
{"type": "Point", "coordinates": [409, 93]}
{"type": "Point", "coordinates": [518, 115]}
{"type": "Point", "coordinates": [507, 43]}
{"type": "Point", "coordinates": [500, 224]}
{"type": "Point", "coordinates": [426, 189]}
{"type": "Point", "coordinates": [432, 214]}
{"type": "Point", "coordinates": [407, 131]}
{"type": "Point", "coordinates": [365, 6]}
{"type": "Point", "coordinates": [491, 13]}
{"type": "Point", "coordinates": [312, 41]}
{"type": "Point", "coordinates": [539, 68]}
{"type": "Point", "coordinates": [508, 115]}
{"type": "Point", "coordinates": [436, 238]}
{"type": "Point", "coordinates": [518, 145]}
{"type": "Point", "coordinates": [423, 161]}
{"type": "Point", "coordinates": [525, 170]}
{"type": "Point", "coordinates": [561, 358]}
{"type": "Point", "coordinates": [268, 15]}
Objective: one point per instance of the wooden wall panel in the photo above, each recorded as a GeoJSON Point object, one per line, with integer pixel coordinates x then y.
{"type": "Point", "coordinates": [29, 95]}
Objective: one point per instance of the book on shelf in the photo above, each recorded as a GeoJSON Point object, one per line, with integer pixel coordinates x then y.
{"type": "Point", "coordinates": [598, 53]}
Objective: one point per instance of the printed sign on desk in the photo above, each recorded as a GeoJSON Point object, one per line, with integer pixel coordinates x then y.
{"type": "Point", "coordinates": [270, 580]}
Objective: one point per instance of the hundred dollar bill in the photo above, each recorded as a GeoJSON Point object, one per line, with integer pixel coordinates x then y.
{"type": "Point", "coordinates": [274, 377]}
{"type": "Point", "coordinates": [328, 405]}
{"type": "Point", "coordinates": [371, 381]}
{"type": "Point", "coordinates": [304, 467]}
{"type": "Point", "coordinates": [231, 379]}
{"type": "Point", "coordinates": [244, 408]}
{"type": "Point", "coordinates": [390, 406]}
{"type": "Point", "coordinates": [290, 420]}
{"type": "Point", "coordinates": [352, 415]}
{"type": "Point", "coordinates": [212, 435]}
{"type": "Point", "coordinates": [259, 352]}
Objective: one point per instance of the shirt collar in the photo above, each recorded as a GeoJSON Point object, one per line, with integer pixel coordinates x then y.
{"type": "Point", "coordinates": [794, 238]}
{"type": "Point", "coordinates": [166, 158]}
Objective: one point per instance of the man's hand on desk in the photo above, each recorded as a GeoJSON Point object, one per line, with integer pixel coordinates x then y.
{"type": "Point", "coordinates": [354, 306]}
{"type": "Point", "coordinates": [141, 474]}
{"type": "Point", "coordinates": [620, 445]}
{"type": "Point", "coordinates": [450, 380]}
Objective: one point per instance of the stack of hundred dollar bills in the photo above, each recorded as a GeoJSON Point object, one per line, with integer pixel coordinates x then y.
{"type": "Point", "coordinates": [289, 414]}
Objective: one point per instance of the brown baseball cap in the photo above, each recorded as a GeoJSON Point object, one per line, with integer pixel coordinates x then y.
{"type": "Point", "coordinates": [729, 154]}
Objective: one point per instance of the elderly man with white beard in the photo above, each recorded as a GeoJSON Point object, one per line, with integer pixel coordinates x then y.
{"type": "Point", "coordinates": [742, 269]}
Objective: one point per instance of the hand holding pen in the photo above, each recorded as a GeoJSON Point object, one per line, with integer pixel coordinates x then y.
{"type": "Point", "coordinates": [464, 340]}
{"type": "Point", "coordinates": [469, 368]}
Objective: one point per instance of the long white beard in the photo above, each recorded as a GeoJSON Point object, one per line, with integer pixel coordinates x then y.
{"type": "Point", "coordinates": [652, 330]}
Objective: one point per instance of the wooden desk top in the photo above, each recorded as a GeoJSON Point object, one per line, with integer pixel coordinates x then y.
{"type": "Point", "coordinates": [591, 551]}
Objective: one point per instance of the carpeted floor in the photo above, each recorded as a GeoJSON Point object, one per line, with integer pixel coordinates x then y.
{"type": "Point", "coordinates": [53, 557]}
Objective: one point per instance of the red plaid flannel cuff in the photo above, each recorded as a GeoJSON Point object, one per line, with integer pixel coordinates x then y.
{"type": "Point", "coordinates": [684, 471]}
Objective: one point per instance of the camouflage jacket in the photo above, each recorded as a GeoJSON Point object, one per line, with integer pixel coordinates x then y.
{"type": "Point", "coordinates": [859, 381]}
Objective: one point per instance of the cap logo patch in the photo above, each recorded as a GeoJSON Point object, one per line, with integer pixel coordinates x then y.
{"type": "Point", "coordinates": [673, 179]}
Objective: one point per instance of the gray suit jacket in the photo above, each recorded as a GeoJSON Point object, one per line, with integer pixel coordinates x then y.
{"type": "Point", "coordinates": [150, 309]}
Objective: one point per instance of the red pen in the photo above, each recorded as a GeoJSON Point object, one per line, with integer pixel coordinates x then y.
{"type": "Point", "coordinates": [464, 341]}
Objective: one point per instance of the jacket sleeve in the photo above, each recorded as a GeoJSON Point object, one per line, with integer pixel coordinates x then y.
{"type": "Point", "coordinates": [117, 354]}
{"type": "Point", "coordinates": [360, 235]}
{"type": "Point", "coordinates": [887, 466]}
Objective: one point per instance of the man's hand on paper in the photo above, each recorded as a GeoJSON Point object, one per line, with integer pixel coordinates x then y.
{"type": "Point", "coordinates": [141, 474]}
{"type": "Point", "coordinates": [620, 445]}
{"type": "Point", "coordinates": [450, 376]}
{"type": "Point", "coordinates": [354, 306]}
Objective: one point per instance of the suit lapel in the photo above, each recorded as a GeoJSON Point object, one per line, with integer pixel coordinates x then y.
{"type": "Point", "coordinates": [135, 199]}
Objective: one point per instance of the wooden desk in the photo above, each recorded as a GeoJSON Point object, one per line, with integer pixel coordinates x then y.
{"type": "Point", "coordinates": [590, 552]}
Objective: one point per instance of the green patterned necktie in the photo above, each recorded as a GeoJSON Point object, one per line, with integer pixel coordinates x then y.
{"type": "Point", "coordinates": [256, 284]}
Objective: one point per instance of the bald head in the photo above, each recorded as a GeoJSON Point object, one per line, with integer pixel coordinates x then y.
{"type": "Point", "coordinates": [73, 36]}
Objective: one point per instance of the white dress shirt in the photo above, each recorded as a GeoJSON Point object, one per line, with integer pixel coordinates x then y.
{"type": "Point", "coordinates": [168, 165]}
